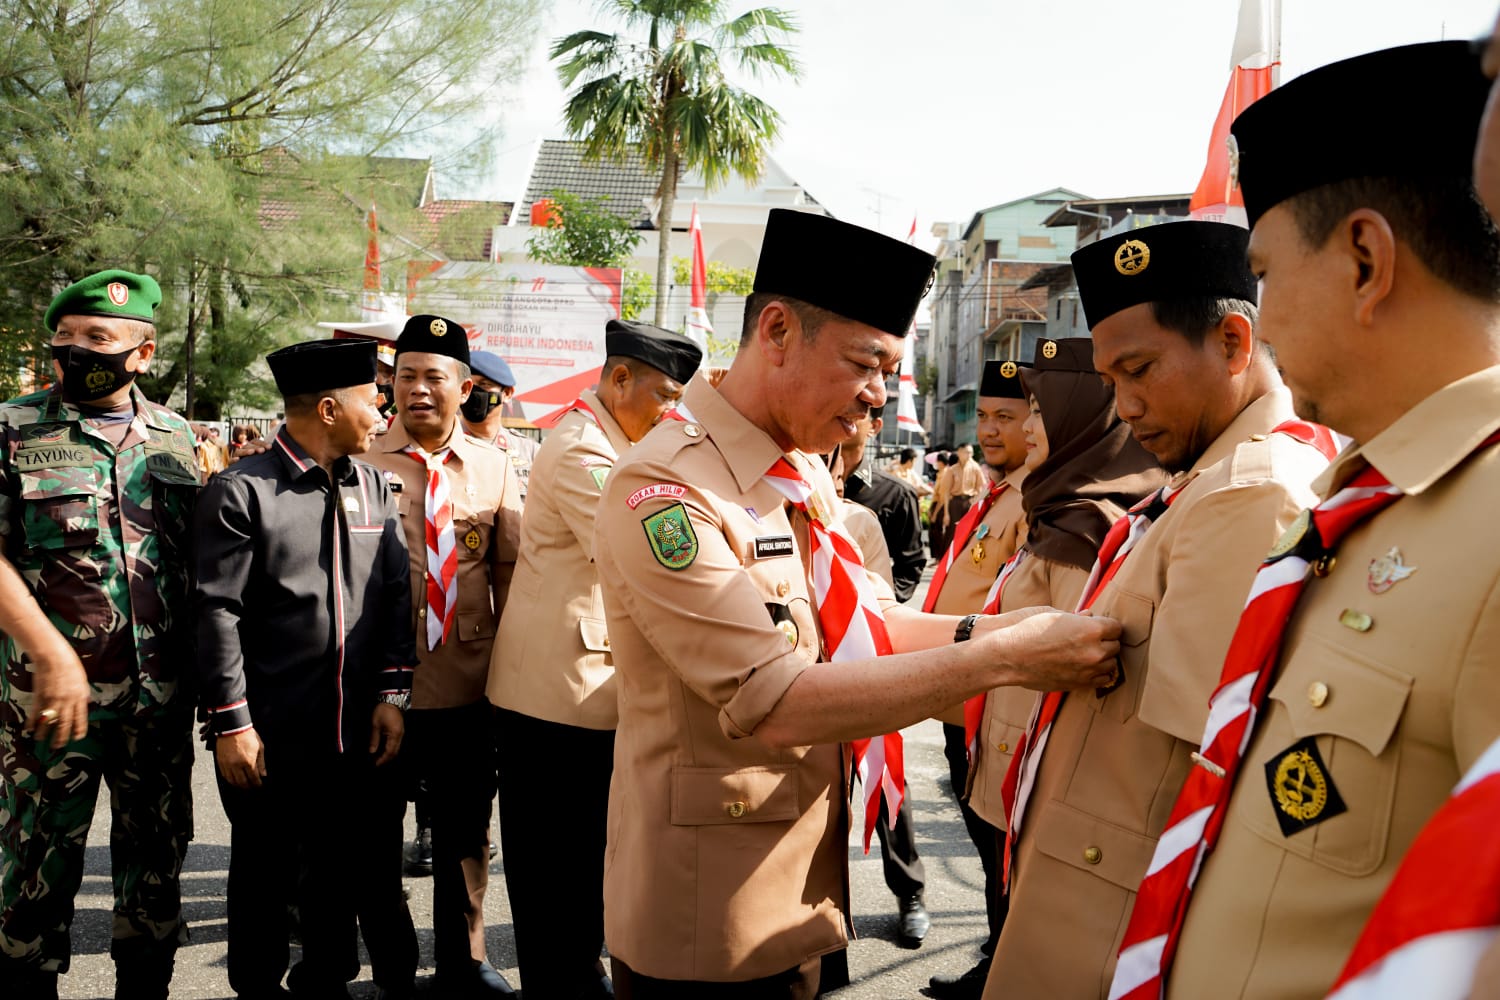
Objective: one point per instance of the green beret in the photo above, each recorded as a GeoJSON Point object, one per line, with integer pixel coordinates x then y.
{"type": "Point", "coordinates": [107, 293]}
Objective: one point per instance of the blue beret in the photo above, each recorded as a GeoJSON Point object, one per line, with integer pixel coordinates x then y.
{"type": "Point", "coordinates": [492, 367]}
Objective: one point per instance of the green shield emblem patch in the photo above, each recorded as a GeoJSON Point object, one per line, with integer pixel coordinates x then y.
{"type": "Point", "coordinates": [599, 472]}
{"type": "Point", "coordinates": [671, 536]}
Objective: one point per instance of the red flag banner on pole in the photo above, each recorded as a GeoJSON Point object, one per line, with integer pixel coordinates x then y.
{"type": "Point", "coordinates": [698, 326]}
{"type": "Point", "coordinates": [371, 303]}
{"type": "Point", "coordinates": [1255, 68]}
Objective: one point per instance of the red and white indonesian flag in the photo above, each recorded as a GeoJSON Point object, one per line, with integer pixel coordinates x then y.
{"type": "Point", "coordinates": [1441, 912]}
{"type": "Point", "coordinates": [906, 397]}
{"type": "Point", "coordinates": [698, 326]}
{"type": "Point", "coordinates": [1255, 68]}
{"type": "Point", "coordinates": [906, 400]}
{"type": "Point", "coordinates": [370, 304]}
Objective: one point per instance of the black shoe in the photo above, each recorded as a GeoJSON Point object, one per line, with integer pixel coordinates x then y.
{"type": "Point", "coordinates": [419, 854]}
{"type": "Point", "coordinates": [143, 977]}
{"type": "Point", "coordinates": [969, 986]}
{"type": "Point", "coordinates": [914, 923]}
{"type": "Point", "coordinates": [480, 979]}
{"type": "Point", "coordinates": [31, 984]}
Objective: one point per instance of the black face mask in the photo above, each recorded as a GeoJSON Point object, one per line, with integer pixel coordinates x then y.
{"type": "Point", "coordinates": [388, 394]}
{"type": "Point", "coordinates": [89, 375]}
{"type": "Point", "coordinates": [480, 404]}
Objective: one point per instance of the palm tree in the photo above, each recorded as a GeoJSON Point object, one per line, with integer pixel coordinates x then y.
{"type": "Point", "coordinates": [667, 96]}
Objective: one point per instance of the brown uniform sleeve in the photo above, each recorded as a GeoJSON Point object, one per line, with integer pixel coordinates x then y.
{"type": "Point", "coordinates": [706, 619]}
{"type": "Point", "coordinates": [577, 483]}
{"type": "Point", "coordinates": [505, 540]}
{"type": "Point", "coordinates": [1219, 547]}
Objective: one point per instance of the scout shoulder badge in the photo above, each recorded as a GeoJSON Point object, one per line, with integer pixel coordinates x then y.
{"type": "Point", "coordinates": [670, 533]}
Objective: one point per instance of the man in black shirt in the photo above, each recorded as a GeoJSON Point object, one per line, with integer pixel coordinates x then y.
{"type": "Point", "coordinates": [893, 501]}
{"type": "Point", "coordinates": [305, 653]}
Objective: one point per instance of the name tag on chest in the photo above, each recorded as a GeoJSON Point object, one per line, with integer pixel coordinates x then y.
{"type": "Point", "coordinates": [32, 457]}
{"type": "Point", "coordinates": [171, 466]}
{"type": "Point", "coordinates": [771, 546]}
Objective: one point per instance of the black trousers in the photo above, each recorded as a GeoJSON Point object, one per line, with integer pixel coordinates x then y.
{"type": "Point", "coordinates": [904, 874]}
{"type": "Point", "coordinates": [554, 807]}
{"type": "Point", "coordinates": [322, 832]}
{"type": "Point", "coordinates": [452, 752]}
{"type": "Point", "coordinates": [800, 983]}
{"type": "Point", "coordinates": [986, 838]}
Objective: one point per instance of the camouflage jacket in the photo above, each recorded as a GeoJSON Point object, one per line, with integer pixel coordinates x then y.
{"type": "Point", "coordinates": [100, 534]}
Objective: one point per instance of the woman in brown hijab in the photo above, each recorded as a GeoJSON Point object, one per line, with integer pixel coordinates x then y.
{"type": "Point", "coordinates": [1084, 471]}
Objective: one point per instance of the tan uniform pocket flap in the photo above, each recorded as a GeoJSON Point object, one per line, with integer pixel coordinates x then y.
{"type": "Point", "coordinates": [1135, 614]}
{"type": "Point", "coordinates": [1091, 845]}
{"type": "Point", "coordinates": [595, 635]}
{"type": "Point", "coordinates": [1340, 692]}
{"type": "Point", "coordinates": [473, 625]}
{"type": "Point", "coordinates": [712, 796]}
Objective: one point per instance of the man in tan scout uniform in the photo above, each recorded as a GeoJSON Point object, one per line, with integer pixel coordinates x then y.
{"type": "Point", "coordinates": [982, 543]}
{"type": "Point", "coordinates": [551, 674]}
{"type": "Point", "coordinates": [1380, 293]}
{"type": "Point", "coordinates": [463, 493]}
{"type": "Point", "coordinates": [1175, 337]}
{"type": "Point", "coordinates": [727, 856]}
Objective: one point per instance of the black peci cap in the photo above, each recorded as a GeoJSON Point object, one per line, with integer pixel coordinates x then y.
{"type": "Point", "coordinates": [1175, 260]}
{"type": "Point", "coordinates": [321, 365]}
{"type": "Point", "coordinates": [859, 274]}
{"type": "Point", "coordinates": [1410, 112]}
{"type": "Point", "coordinates": [1072, 354]}
{"type": "Point", "coordinates": [1002, 380]}
{"type": "Point", "coordinates": [434, 335]}
{"type": "Point", "coordinates": [667, 351]}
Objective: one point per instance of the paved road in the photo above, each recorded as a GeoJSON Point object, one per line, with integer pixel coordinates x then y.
{"type": "Point", "coordinates": [880, 969]}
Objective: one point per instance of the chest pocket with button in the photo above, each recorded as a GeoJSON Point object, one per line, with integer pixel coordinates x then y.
{"type": "Point", "coordinates": [1351, 705]}
{"type": "Point", "coordinates": [60, 509]}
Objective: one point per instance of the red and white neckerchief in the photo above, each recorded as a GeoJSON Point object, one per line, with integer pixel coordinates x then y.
{"type": "Point", "coordinates": [1123, 536]}
{"type": "Point", "coordinates": [1441, 912]}
{"type": "Point", "coordinates": [1020, 776]}
{"type": "Point", "coordinates": [442, 547]}
{"type": "Point", "coordinates": [1161, 906]}
{"type": "Point", "coordinates": [974, 707]}
{"type": "Point", "coordinates": [853, 629]}
{"type": "Point", "coordinates": [961, 534]}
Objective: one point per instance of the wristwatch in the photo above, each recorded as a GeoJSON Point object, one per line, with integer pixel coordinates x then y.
{"type": "Point", "coordinates": [401, 699]}
{"type": "Point", "coordinates": [965, 628]}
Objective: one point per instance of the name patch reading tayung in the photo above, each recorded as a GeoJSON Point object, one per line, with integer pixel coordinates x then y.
{"type": "Point", "coordinates": [770, 546]}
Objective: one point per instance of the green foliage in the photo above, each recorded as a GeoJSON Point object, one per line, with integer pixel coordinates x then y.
{"type": "Point", "coordinates": [668, 96]}
{"type": "Point", "coordinates": [583, 233]}
{"type": "Point", "coordinates": [720, 279]}
{"type": "Point", "coordinates": [158, 136]}
{"type": "Point", "coordinates": [926, 376]}
{"type": "Point", "coordinates": [637, 294]}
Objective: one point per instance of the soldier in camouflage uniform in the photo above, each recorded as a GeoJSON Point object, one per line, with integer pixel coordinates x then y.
{"type": "Point", "coordinates": [96, 490]}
